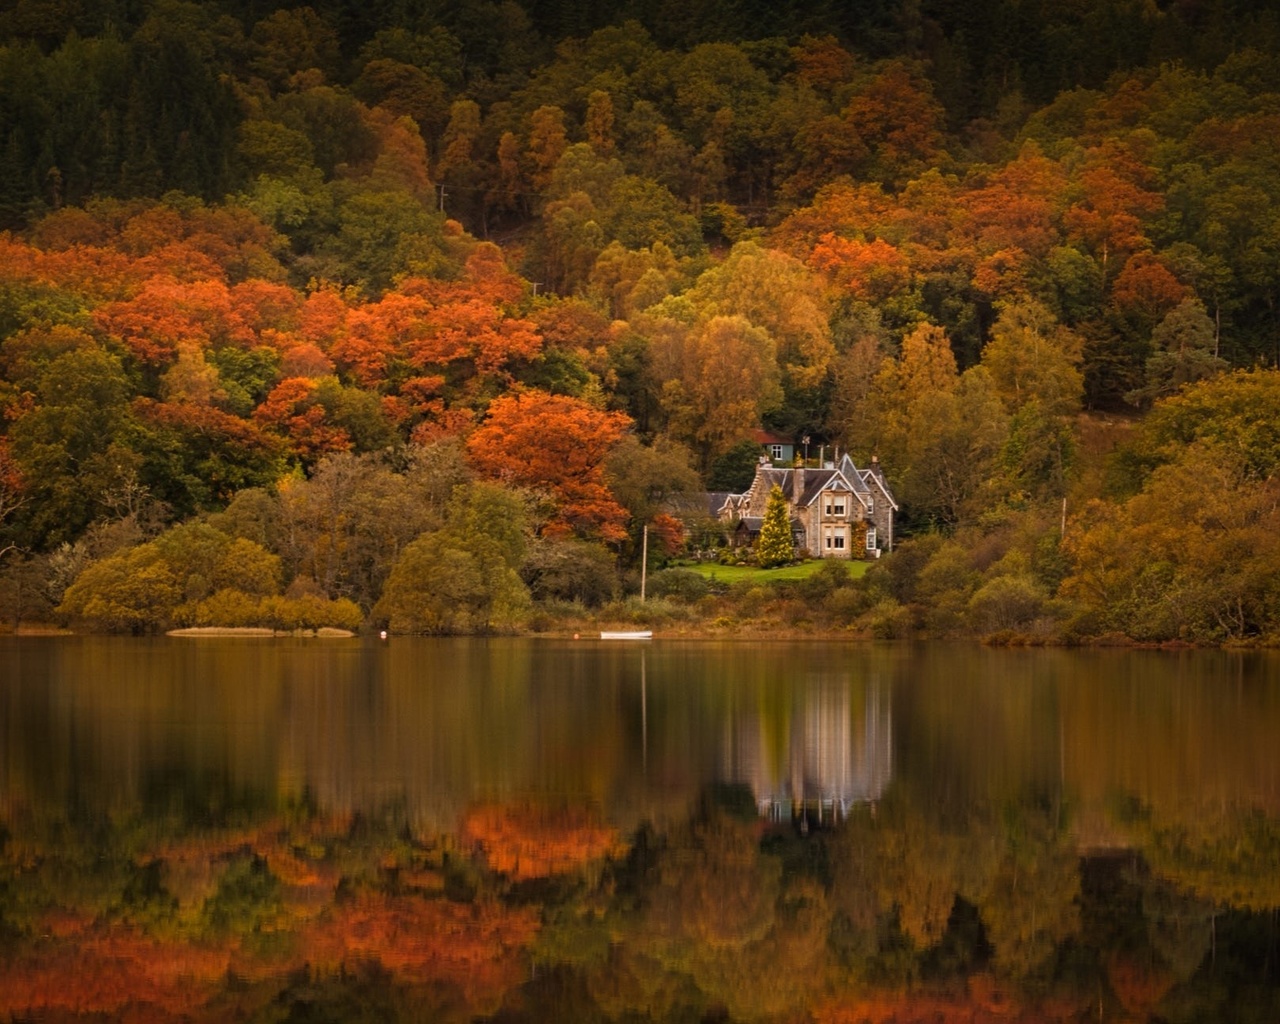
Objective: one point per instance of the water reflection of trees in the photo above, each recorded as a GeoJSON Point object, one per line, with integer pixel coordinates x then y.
{"type": "Point", "coordinates": [884, 917]}
{"type": "Point", "coordinates": [526, 850]}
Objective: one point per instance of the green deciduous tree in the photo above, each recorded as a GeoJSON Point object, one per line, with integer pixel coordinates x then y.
{"type": "Point", "coordinates": [720, 376]}
{"type": "Point", "coordinates": [1032, 356]}
{"type": "Point", "coordinates": [780, 295]}
{"type": "Point", "coordinates": [132, 592]}
{"type": "Point", "coordinates": [1193, 556]}
{"type": "Point", "coordinates": [462, 578]}
{"type": "Point", "coordinates": [192, 573]}
{"type": "Point", "coordinates": [344, 529]}
{"type": "Point", "coordinates": [59, 443]}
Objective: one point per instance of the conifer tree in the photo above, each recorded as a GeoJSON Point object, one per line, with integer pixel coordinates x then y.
{"type": "Point", "coordinates": [774, 547]}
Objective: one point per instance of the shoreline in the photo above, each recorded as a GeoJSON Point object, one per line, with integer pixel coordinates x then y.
{"type": "Point", "coordinates": [324, 632]}
{"type": "Point", "coordinates": [684, 632]}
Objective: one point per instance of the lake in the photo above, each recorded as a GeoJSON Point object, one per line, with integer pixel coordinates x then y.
{"type": "Point", "coordinates": [542, 830]}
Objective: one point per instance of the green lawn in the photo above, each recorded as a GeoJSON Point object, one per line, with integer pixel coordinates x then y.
{"type": "Point", "coordinates": [736, 573]}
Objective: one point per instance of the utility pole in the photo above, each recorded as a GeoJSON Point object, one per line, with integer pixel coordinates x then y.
{"type": "Point", "coordinates": [644, 560]}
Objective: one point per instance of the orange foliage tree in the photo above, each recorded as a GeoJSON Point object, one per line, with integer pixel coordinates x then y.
{"type": "Point", "coordinates": [293, 410]}
{"type": "Point", "coordinates": [559, 444]}
{"type": "Point", "coordinates": [477, 948]}
{"type": "Point", "coordinates": [376, 333]}
{"type": "Point", "coordinates": [1113, 200]}
{"type": "Point", "coordinates": [1019, 207]}
{"type": "Point", "coordinates": [167, 312]}
{"type": "Point", "coordinates": [475, 331]}
{"type": "Point", "coordinates": [106, 972]}
{"type": "Point", "coordinates": [525, 842]}
{"type": "Point", "coordinates": [1146, 289]}
{"type": "Point", "coordinates": [871, 271]}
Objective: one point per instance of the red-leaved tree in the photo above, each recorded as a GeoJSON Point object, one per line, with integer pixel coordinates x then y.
{"type": "Point", "coordinates": [559, 444]}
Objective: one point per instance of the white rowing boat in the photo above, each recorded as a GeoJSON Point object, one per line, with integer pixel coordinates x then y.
{"type": "Point", "coordinates": [638, 634]}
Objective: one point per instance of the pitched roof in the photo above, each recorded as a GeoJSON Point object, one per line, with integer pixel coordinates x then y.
{"type": "Point", "coordinates": [717, 500]}
{"type": "Point", "coordinates": [815, 482]}
{"type": "Point", "coordinates": [854, 475]}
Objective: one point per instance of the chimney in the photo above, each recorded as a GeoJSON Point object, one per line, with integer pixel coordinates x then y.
{"type": "Point", "coordinates": [875, 468]}
{"type": "Point", "coordinates": [797, 483]}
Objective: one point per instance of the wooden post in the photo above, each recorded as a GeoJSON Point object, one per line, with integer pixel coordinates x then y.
{"type": "Point", "coordinates": [644, 560]}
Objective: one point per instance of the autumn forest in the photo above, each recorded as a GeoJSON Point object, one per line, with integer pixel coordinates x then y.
{"type": "Point", "coordinates": [414, 315]}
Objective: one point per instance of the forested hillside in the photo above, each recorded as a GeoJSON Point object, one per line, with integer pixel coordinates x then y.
{"type": "Point", "coordinates": [415, 313]}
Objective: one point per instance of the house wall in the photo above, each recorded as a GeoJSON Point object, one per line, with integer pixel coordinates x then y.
{"type": "Point", "coordinates": [882, 519]}
{"type": "Point", "coordinates": [817, 523]}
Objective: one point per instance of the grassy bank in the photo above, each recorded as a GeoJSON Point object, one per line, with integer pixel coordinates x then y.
{"type": "Point", "coordinates": [752, 574]}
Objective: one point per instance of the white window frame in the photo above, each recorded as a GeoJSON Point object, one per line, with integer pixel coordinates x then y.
{"type": "Point", "coordinates": [871, 538]}
{"type": "Point", "coordinates": [775, 452]}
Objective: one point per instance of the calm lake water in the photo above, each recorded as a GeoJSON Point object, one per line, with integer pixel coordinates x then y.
{"type": "Point", "coordinates": [536, 830]}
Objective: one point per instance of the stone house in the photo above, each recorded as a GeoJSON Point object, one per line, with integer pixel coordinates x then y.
{"type": "Point", "coordinates": [838, 511]}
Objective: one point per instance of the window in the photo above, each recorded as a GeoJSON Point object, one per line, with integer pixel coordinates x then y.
{"type": "Point", "coordinates": [775, 452]}
{"type": "Point", "coordinates": [839, 540]}
{"type": "Point", "coordinates": [834, 505]}
{"type": "Point", "coordinates": [871, 538]}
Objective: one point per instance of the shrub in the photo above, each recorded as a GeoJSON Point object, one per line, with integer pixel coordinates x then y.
{"type": "Point", "coordinates": [679, 585]}
{"type": "Point", "coordinates": [569, 570]}
{"type": "Point", "coordinates": [438, 586]}
{"type": "Point", "coordinates": [748, 599]}
{"type": "Point", "coordinates": [890, 620]}
{"type": "Point", "coordinates": [310, 612]}
{"type": "Point", "coordinates": [1006, 602]}
{"type": "Point", "coordinates": [847, 603]}
{"type": "Point", "coordinates": [644, 613]}
{"type": "Point", "coordinates": [832, 575]}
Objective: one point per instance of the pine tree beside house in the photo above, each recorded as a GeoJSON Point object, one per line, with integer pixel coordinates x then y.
{"type": "Point", "coordinates": [775, 546]}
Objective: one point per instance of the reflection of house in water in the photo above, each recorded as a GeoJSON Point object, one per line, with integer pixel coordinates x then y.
{"type": "Point", "coordinates": [837, 752]}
